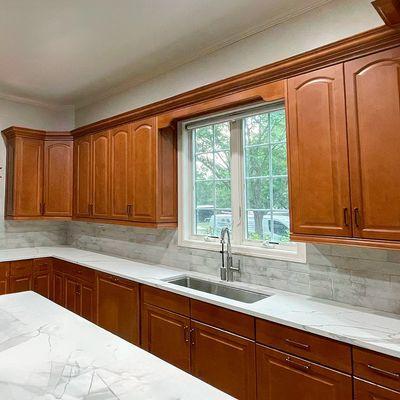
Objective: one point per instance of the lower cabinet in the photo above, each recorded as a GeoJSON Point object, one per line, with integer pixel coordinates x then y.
{"type": "Point", "coordinates": [20, 276]}
{"type": "Point", "coordinates": [224, 360]}
{"type": "Point", "coordinates": [4, 273]}
{"type": "Point", "coordinates": [58, 287]}
{"type": "Point", "coordinates": [42, 276]}
{"type": "Point", "coordinates": [118, 306]}
{"type": "Point", "coordinates": [281, 376]}
{"type": "Point", "coordinates": [370, 391]}
{"type": "Point", "coordinates": [80, 298]}
{"type": "Point", "coordinates": [166, 335]}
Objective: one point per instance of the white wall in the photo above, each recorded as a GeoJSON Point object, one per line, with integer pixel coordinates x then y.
{"type": "Point", "coordinates": [333, 21]}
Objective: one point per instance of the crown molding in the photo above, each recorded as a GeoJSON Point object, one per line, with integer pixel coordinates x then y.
{"type": "Point", "coordinates": [36, 103]}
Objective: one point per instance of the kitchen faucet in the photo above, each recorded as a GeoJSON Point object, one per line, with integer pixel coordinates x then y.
{"type": "Point", "coordinates": [227, 267]}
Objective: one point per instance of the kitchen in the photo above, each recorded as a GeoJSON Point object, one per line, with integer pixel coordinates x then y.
{"type": "Point", "coordinates": [180, 226]}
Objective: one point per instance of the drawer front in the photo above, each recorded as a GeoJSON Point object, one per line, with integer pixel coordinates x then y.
{"type": "Point", "coordinates": [21, 268]}
{"type": "Point", "coordinates": [222, 318]}
{"type": "Point", "coordinates": [117, 280]}
{"type": "Point", "coordinates": [306, 345]}
{"type": "Point", "coordinates": [166, 300]}
{"type": "Point", "coordinates": [42, 264]}
{"type": "Point", "coordinates": [4, 270]}
{"type": "Point", "coordinates": [377, 368]}
{"type": "Point", "coordinates": [75, 270]}
{"type": "Point", "coordinates": [370, 391]}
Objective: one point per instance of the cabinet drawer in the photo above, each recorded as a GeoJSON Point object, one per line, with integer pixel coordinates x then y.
{"type": "Point", "coordinates": [21, 268]}
{"type": "Point", "coordinates": [370, 391]}
{"type": "Point", "coordinates": [117, 279]}
{"type": "Point", "coordinates": [166, 300]}
{"type": "Point", "coordinates": [377, 368]}
{"type": "Point", "coordinates": [4, 270]}
{"type": "Point", "coordinates": [42, 264]}
{"type": "Point", "coordinates": [75, 270]}
{"type": "Point", "coordinates": [312, 347]}
{"type": "Point", "coordinates": [222, 318]}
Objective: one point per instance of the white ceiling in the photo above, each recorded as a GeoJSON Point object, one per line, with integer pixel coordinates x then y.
{"type": "Point", "coordinates": [73, 51]}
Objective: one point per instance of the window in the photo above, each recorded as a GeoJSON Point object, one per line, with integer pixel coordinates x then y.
{"type": "Point", "coordinates": [233, 173]}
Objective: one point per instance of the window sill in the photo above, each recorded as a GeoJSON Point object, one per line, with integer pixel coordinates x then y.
{"type": "Point", "coordinates": [298, 254]}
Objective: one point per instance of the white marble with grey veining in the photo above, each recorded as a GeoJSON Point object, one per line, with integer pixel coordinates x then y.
{"type": "Point", "coordinates": [47, 352]}
{"type": "Point", "coordinates": [362, 327]}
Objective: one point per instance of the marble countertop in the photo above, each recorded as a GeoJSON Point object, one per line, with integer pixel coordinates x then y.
{"type": "Point", "coordinates": [358, 326]}
{"type": "Point", "coordinates": [47, 352]}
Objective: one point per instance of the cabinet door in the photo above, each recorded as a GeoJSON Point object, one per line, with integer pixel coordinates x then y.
{"type": "Point", "coordinates": [319, 175]}
{"type": "Point", "coordinates": [42, 283]}
{"type": "Point", "coordinates": [119, 170]}
{"type": "Point", "coordinates": [83, 176]}
{"type": "Point", "coordinates": [58, 288]}
{"type": "Point", "coordinates": [87, 300]}
{"type": "Point", "coordinates": [101, 175]}
{"type": "Point", "coordinates": [4, 273]}
{"type": "Point", "coordinates": [28, 177]}
{"type": "Point", "coordinates": [20, 283]}
{"type": "Point", "coordinates": [143, 170]}
{"type": "Point", "coordinates": [373, 103]}
{"type": "Point", "coordinates": [72, 295]}
{"type": "Point", "coordinates": [281, 376]}
{"type": "Point", "coordinates": [166, 335]}
{"type": "Point", "coordinates": [369, 391]}
{"type": "Point", "coordinates": [57, 189]}
{"type": "Point", "coordinates": [224, 360]}
{"type": "Point", "coordinates": [118, 307]}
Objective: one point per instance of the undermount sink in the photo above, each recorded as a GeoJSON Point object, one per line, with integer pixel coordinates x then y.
{"type": "Point", "coordinates": [218, 289]}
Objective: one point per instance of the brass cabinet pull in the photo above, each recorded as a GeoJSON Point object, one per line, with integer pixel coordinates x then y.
{"type": "Point", "coordinates": [389, 374]}
{"type": "Point", "coordinates": [297, 365]}
{"type": "Point", "coordinates": [186, 333]}
{"type": "Point", "coordinates": [77, 290]}
{"type": "Point", "coordinates": [297, 344]}
{"type": "Point", "coordinates": [356, 217]}
{"type": "Point", "coordinates": [192, 340]}
{"type": "Point", "coordinates": [346, 216]}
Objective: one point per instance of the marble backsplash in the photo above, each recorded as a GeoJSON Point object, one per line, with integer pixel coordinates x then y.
{"type": "Point", "coordinates": [352, 275]}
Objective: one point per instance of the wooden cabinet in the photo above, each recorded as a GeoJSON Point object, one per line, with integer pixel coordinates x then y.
{"type": "Point", "coordinates": [57, 188]}
{"type": "Point", "coordinates": [42, 277]}
{"type": "Point", "coordinates": [319, 178]}
{"type": "Point", "coordinates": [224, 360]}
{"type": "Point", "coordinates": [166, 335]}
{"type": "Point", "coordinates": [21, 276]}
{"type": "Point", "coordinates": [373, 103]}
{"type": "Point", "coordinates": [82, 176]}
{"type": "Point", "coordinates": [129, 176]}
{"type": "Point", "coordinates": [58, 288]}
{"type": "Point", "coordinates": [39, 174]}
{"type": "Point", "coordinates": [282, 376]}
{"type": "Point", "coordinates": [118, 306]}
{"type": "Point", "coordinates": [369, 391]}
{"type": "Point", "coordinates": [4, 274]}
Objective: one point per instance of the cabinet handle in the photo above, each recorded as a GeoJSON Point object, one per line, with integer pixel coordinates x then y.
{"type": "Point", "coordinates": [78, 290]}
{"type": "Point", "coordinates": [186, 333]}
{"type": "Point", "coordinates": [297, 344]}
{"type": "Point", "coordinates": [116, 279]}
{"type": "Point", "coordinates": [192, 341]}
{"type": "Point", "coordinates": [346, 216]}
{"type": "Point", "coordinates": [389, 374]}
{"type": "Point", "coordinates": [356, 217]}
{"type": "Point", "coordinates": [297, 365]}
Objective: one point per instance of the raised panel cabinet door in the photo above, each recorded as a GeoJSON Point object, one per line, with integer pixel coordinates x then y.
{"type": "Point", "coordinates": [58, 288]}
{"type": "Point", "coordinates": [166, 335]}
{"type": "Point", "coordinates": [42, 283]}
{"type": "Point", "coordinates": [373, 103]}
{"type": "Point", "coordinates": [119, 170]}
{"type": "Point", "coordinates": [28, 177]}
{"type": "Point", "coordinates": [57, 188]}
{"type": "Point", "coordinates": [83, 176]}
{"type": "Point", "coordinates": [118, 307]}
{"type": "Point", "coordinates": [4, 274]}
{"type": "Point", "coordinates": [101, 175]}
{"type": "Point", "coordinates": [143, 170]}
{"type": "Point", "coordinates": [281, 376]}
{"type": "Point", "coordinates": [318, 158]}
{"type": "Point", "coordinates": [87, 302]}
{"type": "Point", "coordinates": [20, 284]}
{"type": "Point", "coordinates": [224, 360]}
{"type": "Point", "coordinates": [369, 391]}
{"type": "Point", "coordinates": [72, 295]}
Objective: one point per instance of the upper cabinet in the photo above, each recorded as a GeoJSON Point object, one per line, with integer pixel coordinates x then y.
{"type": "Point", "coordinates": [344, 147]}
{"type": "Point", "coordinates": [39, 174]}
{"type": "Point", "coordinates": [127, 175]}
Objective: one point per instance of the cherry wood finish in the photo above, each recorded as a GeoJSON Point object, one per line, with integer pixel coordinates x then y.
{"type": "Point", "coordinates": [373, 102]}
{"type": "Point", "coordinates": [57, 189]}
{"type": "Point", "coordinates": [4, 274]}
{"type": "Point", "coordinates": [225, 319]}
{"type": "Point", "coordinates": [166, 335]}
{"type": "Point", "coordinates": [369, 391]}
{"type": "Point", "coordinates": [58, 295]}
{"type": "Point", "coordinates": [306, 345]}
{"type": "Point", "coordinates": [42, 276]}
{"type": "Point", "coordinates": [83, 176]}
{"type": "Point", "coordinates": [224, 360]}
{"type": "Point", "coordinates": [319, 177]}
{"type": "Point", "coordinates": [118, 306]}
{"type": "Point", "coordinates": [389, 10]}
{"type": "Point", "coordinates": [378, 368]}
{"type": "Point", "coordinates": [282, 376]}
{"type": "Point", "coordinates": [167, 300]}
{"type": "Point", "coordinates": [120, 170]}
{"type": "Point", "coordinates": [20, 276]}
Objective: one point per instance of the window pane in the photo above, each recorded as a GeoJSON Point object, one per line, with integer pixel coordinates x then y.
{"type": "Point", "coordinates": [265, 172]}
{"type": "Point", "coordinates": [212, 179]}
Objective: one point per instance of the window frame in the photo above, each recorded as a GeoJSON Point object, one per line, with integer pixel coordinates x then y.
{"type": "Point", "coordinates": [290, 251]}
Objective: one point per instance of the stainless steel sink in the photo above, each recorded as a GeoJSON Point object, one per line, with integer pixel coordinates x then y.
{"type": "Point", "coordinates": [245, 296]}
